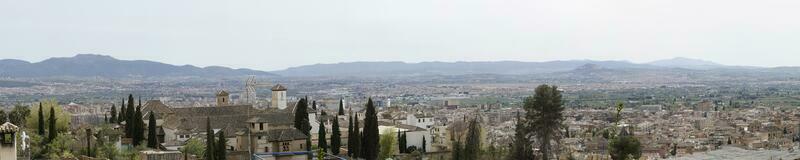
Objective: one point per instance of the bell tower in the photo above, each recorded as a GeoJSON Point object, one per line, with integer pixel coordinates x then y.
{"type": "Point", "coordinates": [223, 98]}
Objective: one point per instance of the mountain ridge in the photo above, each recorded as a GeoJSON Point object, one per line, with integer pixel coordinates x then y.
{"type": "Point", "coordinates": [107, 66]}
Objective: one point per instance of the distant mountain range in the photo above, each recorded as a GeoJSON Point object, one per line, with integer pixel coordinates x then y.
{"type": "Point", "coordinates": [90, 65]}
{"type": "Point", "coordinates": [497, 67]}
{"type": "Point", "coordinates": [84, 65]}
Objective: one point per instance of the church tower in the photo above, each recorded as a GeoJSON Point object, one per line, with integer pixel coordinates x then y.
{"type": "Point", "coordinates": [279, 96]}
{"type": "Point", "coordinates": [223, 98]}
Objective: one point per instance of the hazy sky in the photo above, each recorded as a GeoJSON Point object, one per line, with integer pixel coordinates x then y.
{"type": "Point", "coordinates": [275, 34]}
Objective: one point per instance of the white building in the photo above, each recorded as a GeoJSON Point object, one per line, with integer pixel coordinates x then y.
{"type": "Point", "coordinates": [279, 97]}
{"type": "Point", "coordinates": [419, 120]}
{"type": "Point", "coordinates": [8, 147]}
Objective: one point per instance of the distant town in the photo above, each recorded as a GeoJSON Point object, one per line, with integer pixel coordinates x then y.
{"type": "Point", "coordinates": [594, 111]}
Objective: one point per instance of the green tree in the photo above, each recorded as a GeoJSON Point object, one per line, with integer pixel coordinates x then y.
{"type": "Point", "coordinates": [387, 144]}
{"type": "Point", "coordinates": [322, 141]}
{"type": "Point", "coordinates": [221, 148]}
{"type": "Point", "coordinates": [209, 140]}
{"type": "Point", "coordinates": [301, 120]}
{"type": "Point", "coordinates": [350, 135]}
{"type": "Point", "coordinates": [336, 137]}
{"type": "Point", "coordinates": [113, 113]}
{"type": "Point", "coordinates": [521, 146]}
{"type": "Point", "coordinates": [62, 124]}
{"type": "Point", "coordinates": [341, 107]}
{"type": "Point", "coordinates": [193, 147]}
{"type": "Point", "coordinates": [545, 118]}
{"type": "Point", "coordinates": [138, 126]}
{"type": "Point", "coordinates": [41, 120]}
{"type": "Point", "coordinates": [357, 148]}
{"type": "Point", "coordinates": [19, 114]}
{"type": "Point", "coordinates": [3, 116]}
{"type": "Point", "coordinates": [60, 147]}
{"type": "Point", "coordinates": [401, 142]}
{"type": "Point", "coordinates": [152, 138]}
{"type": "Point", "coordinates": [122, 115]}
{"type": "Point", "coordinates": [130, 124]}
{"type": "Point", "coordinates": [625, 147]}
{"type": "Point", "coordinates": [473, 145]}
{"type": "Point", "coordinates": [314, 105]}
{"type": "Point", "coordinates": [674, 150]}
{"type": "Point", "coordinates": [371, 137]}
{"type": "Point", "coordinates": [457, 153]}
{"type": "Point", "coordinates": [105, 146]}
{"type": "Point", "coordinates": [424, 145]}
{"type": "Point", "coordinates": [53, 132]}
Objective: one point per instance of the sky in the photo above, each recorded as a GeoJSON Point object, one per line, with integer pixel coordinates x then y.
{"type": "Point", "coordinates": [276, 34]}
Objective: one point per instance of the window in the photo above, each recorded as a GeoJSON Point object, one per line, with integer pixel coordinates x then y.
{"type": "Point", "coordinates": [253, 125]}
{"type": "Point", "coordinates": [259, 137]}
{"type": "Point", "coordinates": [266, 149]}
{"type": "Point", "coordinates": [285, 146]}
{"type": "Point", "coordinates": [8, 138]}
{"type": "Point", "coordinates": [260, 126]}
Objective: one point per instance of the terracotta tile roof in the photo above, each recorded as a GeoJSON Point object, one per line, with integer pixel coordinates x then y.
{"type": "Point", "coordinates": [8, 128]}
{"type": "Point", "coordinates": [278, 87]}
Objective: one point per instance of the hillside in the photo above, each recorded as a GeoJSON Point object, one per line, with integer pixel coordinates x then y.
{"type": "Point", "coordinates": [83, 65]}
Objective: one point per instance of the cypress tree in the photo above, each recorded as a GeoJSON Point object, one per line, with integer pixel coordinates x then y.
{"type": "Point", "coordinates": [473, 145]}
{"type": "Point", "coordinates": [322, 141]}
{"type": "Point", "coordinates": [356, 138]}
{"type": "Point", "coordinates": [113, 114]}
{"type": "Point", "coordinates": [52, 123]}
{"type": "Point", "coordinates": [130, 125]}
{"type": "Point", "coordinates": [301, 121]}
{"type": "Point", "coordinates": [424, 145]}
{"type": "Point", "coordinates": [105, 118]}
{"type": "Point", "coordinates": [520, 146]}
{"type": "Point", "coordinates": [371, 137]}
{"type": "Point", "coordinates": [350, 135]}
{"type": "Point", "coordinates": [209, 154]}
{"type": "Point", "coordinates": [314, 105]}
{"type": "Point", "coordinates": [341, 107]}
{"type": "Point", "coordinates": [221, 151]}
{"type": "Point", "coordinates": [41, 120]}
{"type": "Point", "coordinates": [336, 137]}
{"type": "Point", "coordinates": [457, 150]}
{"type": "Point", "coordinates": [138, 121]}
{"type": "Point", "coordinates": [401, 142]}
{"type": "Point", "coordinates": [122, 114]}
{"type": "Point", "coordinates": [152, 139]}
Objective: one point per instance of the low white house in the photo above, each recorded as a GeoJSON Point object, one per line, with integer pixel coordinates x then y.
{"type": "Point", "coordinates": [8, 147]}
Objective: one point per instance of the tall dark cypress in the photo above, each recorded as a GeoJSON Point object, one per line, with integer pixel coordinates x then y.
{"type": "Point", "coordinates": [209, 154]}
{"type": "Point", "coordinates": [41, 120]}
{"type": "Point", "coordinates": [401, 142]}
{"type": "Point", "coordinates": [130, 125]}
{"type": "Point", "coordinates": [350, 135]}
{"type": "Point", "coordinates": [53, 132]}
{"type": "Point", "coordinates": [336, 137]}
{"type": "Point", "coordinates": [473, 145]}
{"type": "Point", "coordinates": [314, 105]}
{"type": "Point", "coordinates": [424, 145]}
{"type": "Point", "coordinates": [322, 141]}
{"type": "Point", "coordinates": [138, 121]}
{"type": "Point", "coordinates": [341, 107]}
{"type": "Point", "coordinates": [113, 114]}
{"type": "Point", "coordinates": [220, 150]}
{"type": "Point", "coordinates": [370, 142]}
{"type": "Point", "coordinates": [356, 138]}
{"type": "Point", "coordinates": [301, 121]}
{"type": "Point", "coordinates": [121, 118]}
{"type": "Point", "coordinates": [152, 139]}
